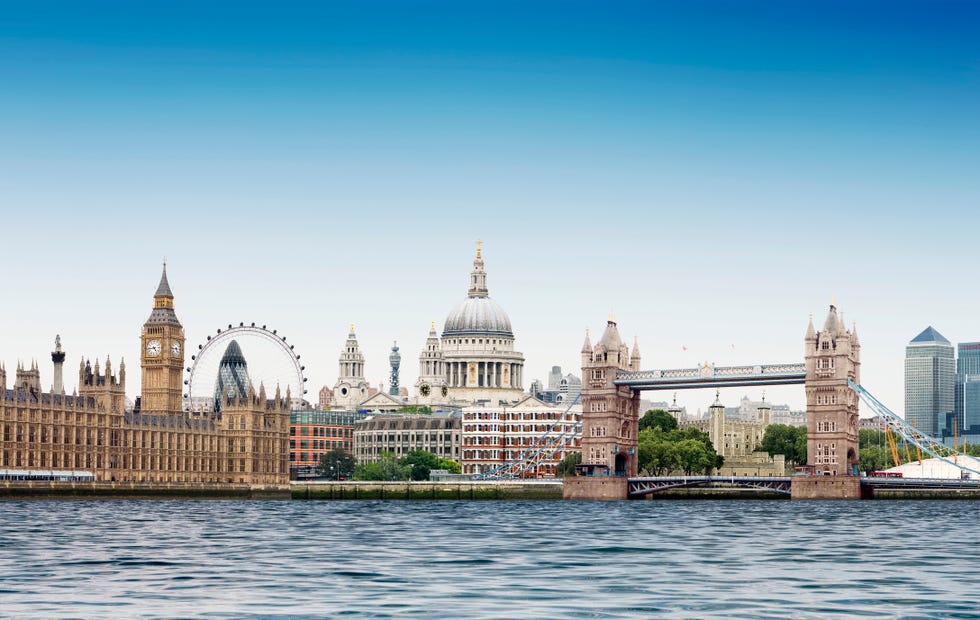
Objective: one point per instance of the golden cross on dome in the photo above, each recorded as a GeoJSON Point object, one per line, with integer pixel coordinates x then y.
{"type": "Point", "coordinates": [478, 244]}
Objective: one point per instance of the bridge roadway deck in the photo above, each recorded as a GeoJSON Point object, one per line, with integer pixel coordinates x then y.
{"type": "Point", "coordinates": [709, 376]}
{"type": "Point", "coordinates": [639, 487]}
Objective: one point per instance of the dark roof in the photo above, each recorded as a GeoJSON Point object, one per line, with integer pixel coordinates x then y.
{"type": "Point", "coordinates": [19, 394]}
{"type": "Point", "coordinates": [163, 316]}
{"type": "Point", "coordinates": [233, 354]}
{"type": "Point", "coordinates": [163, 290]}
{"type": "Point", "coordinates": [930, 335]}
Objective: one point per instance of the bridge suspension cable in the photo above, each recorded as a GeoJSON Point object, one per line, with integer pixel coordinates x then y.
{"type": "Point", "coordinates": [543, 448]}
{"type": "Point", "coordinates": [922, 443]}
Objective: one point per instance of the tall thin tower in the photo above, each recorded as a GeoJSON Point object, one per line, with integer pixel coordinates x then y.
{"type": "Point", "coordinates": [58, 357]}
{"type": "Point", "coordinates": [395, 359]}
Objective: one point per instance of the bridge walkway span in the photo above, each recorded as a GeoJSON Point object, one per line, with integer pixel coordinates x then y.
{"type": "Point", "coordinates": [639, 487]}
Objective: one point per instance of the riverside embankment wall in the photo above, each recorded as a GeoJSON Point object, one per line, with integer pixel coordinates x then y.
{"type": "Point", "coordinates": [136, 490]}
{"type": "Point", "coordinates": [474, 489]}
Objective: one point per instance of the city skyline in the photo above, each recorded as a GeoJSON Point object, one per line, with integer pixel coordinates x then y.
{"type": "Point", "coordinates": [712, 180]}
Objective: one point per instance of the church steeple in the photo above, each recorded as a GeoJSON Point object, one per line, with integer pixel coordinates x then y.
{"type": "Point", "coordinates": [478, 277]}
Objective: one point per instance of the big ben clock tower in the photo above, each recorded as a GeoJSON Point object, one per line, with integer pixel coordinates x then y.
{"type": "Point", "coordinates": [162, 356]}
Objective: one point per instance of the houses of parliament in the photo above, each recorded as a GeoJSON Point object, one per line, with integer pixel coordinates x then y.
{"type": "Point", "coordinates": [92, 430]}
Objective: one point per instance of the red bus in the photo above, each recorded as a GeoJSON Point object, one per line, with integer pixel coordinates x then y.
{"type": "Point", "coordinates": [885, 474]}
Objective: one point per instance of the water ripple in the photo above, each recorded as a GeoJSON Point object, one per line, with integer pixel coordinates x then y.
{"type": "Point", "coordinates": [682, 559]}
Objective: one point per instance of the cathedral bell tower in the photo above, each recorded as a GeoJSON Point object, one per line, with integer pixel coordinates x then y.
{"type": "Point", "coordinates": [162, 353]}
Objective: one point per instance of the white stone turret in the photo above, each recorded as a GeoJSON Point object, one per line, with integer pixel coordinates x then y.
{"type": "Point", "coordinates": [431, 383]}
{"type": "Point", "coordinates": [586, 349]}
{"type": "Point", "coordinates": [351, 388]}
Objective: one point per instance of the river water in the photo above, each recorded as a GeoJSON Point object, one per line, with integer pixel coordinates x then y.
{"type": "Point", "coordinates": [428, 559]}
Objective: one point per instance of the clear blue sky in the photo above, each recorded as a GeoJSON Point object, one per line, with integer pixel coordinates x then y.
{"type": "Point", "coordinates": [712, 171]}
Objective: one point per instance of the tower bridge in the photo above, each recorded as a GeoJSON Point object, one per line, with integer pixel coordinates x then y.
{"type": "Point", "coordinates": [710, 376]}
{"type": "Point", "coordinates": [612, 379]}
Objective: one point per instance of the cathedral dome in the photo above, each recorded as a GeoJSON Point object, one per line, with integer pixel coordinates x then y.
{"type": "Point", "coordinates": [477, 316]}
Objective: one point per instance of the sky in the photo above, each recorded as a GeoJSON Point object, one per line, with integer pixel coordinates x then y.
{"type": "Point", "coordinates": [712, 172]}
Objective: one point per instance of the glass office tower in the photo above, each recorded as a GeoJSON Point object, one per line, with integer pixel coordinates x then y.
{"type": "Point", "coordinates": [967, 406]}
{"type": "Point", "coordinates": [930, 376]}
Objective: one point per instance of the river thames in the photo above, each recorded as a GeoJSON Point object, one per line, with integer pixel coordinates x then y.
{"type": "Point", "coordinates": [471, 559]}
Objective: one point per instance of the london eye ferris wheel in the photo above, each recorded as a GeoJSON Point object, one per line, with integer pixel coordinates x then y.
{"type": "Point", "coordinates": [271, 362]}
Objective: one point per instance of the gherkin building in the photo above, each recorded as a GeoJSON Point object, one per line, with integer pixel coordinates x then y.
{"type": "Point", "coordinates": [232, 376]}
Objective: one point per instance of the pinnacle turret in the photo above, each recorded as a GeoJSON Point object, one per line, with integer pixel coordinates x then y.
{"type": "Point", "coordinates": [478, 277]}
{"type": "Point", "coordinates": [163, 289]}
{"type": "Point", "coordinates": [831, 326]}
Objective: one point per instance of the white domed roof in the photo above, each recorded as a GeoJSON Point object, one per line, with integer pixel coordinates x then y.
{"type": "Point", "coordinates": [479, 316]}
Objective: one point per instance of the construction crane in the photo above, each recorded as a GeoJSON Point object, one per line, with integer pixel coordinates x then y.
{"type": "Point", "coordinates": [923, 443]}
{"type": "Point", "coordinates": [892, 446]}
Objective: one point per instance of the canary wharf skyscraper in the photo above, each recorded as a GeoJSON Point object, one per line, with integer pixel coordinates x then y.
{"type": "Point", "coordinates": [930, 373]}
{"type": "Point", "coordinates": [967, 386]}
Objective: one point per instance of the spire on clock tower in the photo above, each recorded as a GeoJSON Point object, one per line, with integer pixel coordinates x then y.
{"type": "Point", "coordinates": [163, 290]}
{"type": "Point", "coordinates": [162, 353]}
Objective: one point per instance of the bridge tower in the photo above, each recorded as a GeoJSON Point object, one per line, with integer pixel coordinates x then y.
{"type": "Point", "coordinates": [833, 355]}
{"type": "Point", "coordinates": [610, 419]}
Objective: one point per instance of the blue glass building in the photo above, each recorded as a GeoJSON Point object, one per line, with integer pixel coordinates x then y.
{"type": "Point", "coordinates": [930, 376]}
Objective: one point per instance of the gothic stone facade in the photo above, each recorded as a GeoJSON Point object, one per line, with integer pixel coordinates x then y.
{"type": "Point", "coordinates": [833, 355]}
{"type": "Point", "coordinates": [157, 441]}
{"type": "Point", "coordinates": [610, 412]}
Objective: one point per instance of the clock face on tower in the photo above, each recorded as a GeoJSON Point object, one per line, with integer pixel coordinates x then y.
{"type": "Point", "coordinates": [445, 391]}
{"type": "Point", "coordinates": [175, 348]}
{"type": "Point", "coordinates": [424, 389]}
{"type": "Point", "coordinates": [153, 348]}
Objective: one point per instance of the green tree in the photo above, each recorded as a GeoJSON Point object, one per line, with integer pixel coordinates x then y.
{"type": "Point", "coordinates": [694, 457]}
{"type": "Point", "coordinates": [801, 445]}
{"type": "Point", "coordinates": [875, 458]}
{"type": "Point", "coordinates": [566, 467]}
{"type": "Point", "coordinates": [658, 417]}
{"type": "Point", "coordinates": [420, 463]}
{"type": "Point", "coordinates": [424, 409]}
{"type": "Point", "coordinates": [688, 451]}
{"type": "Point", "coordinates": [449, 465]}
{"type": "Point", "coordinates": [665, 457]}
{"type": "Point", "coordinates": [790, 441]}
{"type": "Point", "coordinates": [387, 467]}
{"type": "Point", "coordinates": [337, 464]}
